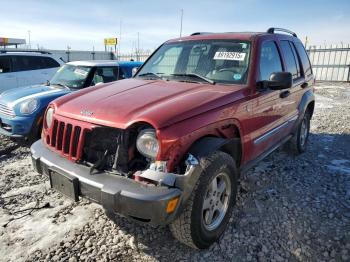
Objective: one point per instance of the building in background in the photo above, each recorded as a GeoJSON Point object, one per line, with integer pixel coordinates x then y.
{"type": "Point", "coordinates": [11, 42]}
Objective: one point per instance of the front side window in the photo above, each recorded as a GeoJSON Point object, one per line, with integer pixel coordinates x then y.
{"type": "Point", "coordinates": [106, 75]}
{"type": "Point", "coordinates": [71, 76]}
{"type": "Point", "coordinates": [48, 62]}
{"type": "Point", "coordinates": [214, 61]}
{"type": "Point", "coordinates": [270, 60]}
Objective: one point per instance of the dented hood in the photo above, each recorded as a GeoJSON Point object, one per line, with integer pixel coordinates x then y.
{"type": "Point", "coordinates": [158, 102]}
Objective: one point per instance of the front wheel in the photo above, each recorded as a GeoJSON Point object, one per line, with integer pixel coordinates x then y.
{"type": "Point", "coordinates": [208, 210]}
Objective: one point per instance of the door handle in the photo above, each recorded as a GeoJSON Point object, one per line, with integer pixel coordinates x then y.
{"type": "Point", "coordinates": [284, 94]}
{"type": "Point", "coordinates": [304, 85]}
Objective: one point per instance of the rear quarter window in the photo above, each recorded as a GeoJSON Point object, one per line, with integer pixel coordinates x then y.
{"type": "Point", "coordinates": [304, 59]}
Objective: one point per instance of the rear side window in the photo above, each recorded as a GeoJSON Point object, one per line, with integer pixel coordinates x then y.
{"type": "Point", "coordinates": [291, 60]}
{"type": "Point", "coordinates": [304, 59]}
{"type": "Point", "coordinates": [5, 64]}
{"type": "Point", "coordinates": [270, 60]}
{"type": "Point", "coordinates": [27, 63]}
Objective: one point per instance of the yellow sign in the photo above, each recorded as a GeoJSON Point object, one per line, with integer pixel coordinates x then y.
{"type": "Point", "coordinates": [111, 41]}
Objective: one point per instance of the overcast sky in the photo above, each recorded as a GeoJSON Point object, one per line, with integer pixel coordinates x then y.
{"type": "Point", "coordinates": [82, 24]}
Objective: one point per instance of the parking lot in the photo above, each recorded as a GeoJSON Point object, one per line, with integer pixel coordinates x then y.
{"type": "Point", "coordinates": [288, 208]}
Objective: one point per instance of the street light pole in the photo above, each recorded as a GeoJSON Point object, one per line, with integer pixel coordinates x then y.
{"type": "Point", "coordinates": [182, 14]}
{"type": "Point", "coordinates": [29, 44]}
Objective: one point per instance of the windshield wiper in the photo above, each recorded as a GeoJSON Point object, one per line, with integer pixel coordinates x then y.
{"type": "Point", "coordinates": [197, 76]}
{"type": "Point", "coordinates": [152, 74]}
{"type": "Point", "coordinates": [62, 85]}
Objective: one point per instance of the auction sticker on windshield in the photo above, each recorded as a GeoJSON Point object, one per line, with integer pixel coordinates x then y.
{"type": "Point", "coordinates": [236, 56]}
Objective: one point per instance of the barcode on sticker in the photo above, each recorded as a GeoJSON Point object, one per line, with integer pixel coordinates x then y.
{"type": "Point", "coordinates": [229, 56]}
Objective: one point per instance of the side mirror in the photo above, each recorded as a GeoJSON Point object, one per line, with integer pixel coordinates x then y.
{"type": "Point", "coordinates": [280, 80]}
{"type": "Point", "coordinates": [134, 70]}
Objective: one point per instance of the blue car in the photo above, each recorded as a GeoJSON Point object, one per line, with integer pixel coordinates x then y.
{"type": "Point", "coordinates": [22, 109]}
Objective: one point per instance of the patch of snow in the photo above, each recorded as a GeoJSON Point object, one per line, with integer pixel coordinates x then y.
{"type": "Point", "coordinates": [324, 102]}
{"type": "Point", "coordinates": [327, 86]}
{"type": "Point", "coordinates": [340, 165]}
{"type": "Point", "coordinates": [31, 233]}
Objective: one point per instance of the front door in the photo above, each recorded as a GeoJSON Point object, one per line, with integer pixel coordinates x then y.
{"type": "Point", "coordinates": [268, 108]}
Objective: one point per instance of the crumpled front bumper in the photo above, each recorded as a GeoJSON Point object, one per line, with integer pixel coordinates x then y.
{"type": "Point", "coordinates": [132, 199]}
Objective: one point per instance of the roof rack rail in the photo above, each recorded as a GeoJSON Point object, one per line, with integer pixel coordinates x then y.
{"type": "Point", "coordinates": [201, 33]}
{"type": "Point", "coordinates": [25, 51]}
{"type": "Point", "coordinates": [272, 30]}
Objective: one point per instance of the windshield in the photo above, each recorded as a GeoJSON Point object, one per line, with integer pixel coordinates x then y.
{"type": "Point", "coordinates": [210, 61]}
{"type": "Point", "coordinates": [71, 76]}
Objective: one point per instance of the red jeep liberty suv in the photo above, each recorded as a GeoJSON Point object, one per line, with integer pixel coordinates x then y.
{"type": "Point", "coordinates": [167, 147]}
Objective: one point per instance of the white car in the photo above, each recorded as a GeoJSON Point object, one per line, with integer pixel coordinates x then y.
{"type": "Point", "coordinates": [26, 68]}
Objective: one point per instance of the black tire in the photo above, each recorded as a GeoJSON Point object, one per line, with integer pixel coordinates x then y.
{"type": "Point", "coordinates": [35, 134]}
{"type": "Point", "coordinates": [190, 227]}
{"type": "Point", "coordinates": [297, 144]}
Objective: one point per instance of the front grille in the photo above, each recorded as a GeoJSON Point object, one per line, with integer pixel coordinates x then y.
{"type": "Point", "coordinates": [6, 110]}
{"type": "Point", "coordinates": [67, 138]}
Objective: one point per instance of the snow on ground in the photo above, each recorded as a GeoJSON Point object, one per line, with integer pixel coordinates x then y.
{"type": "Point", "coordinates": [340, 165]}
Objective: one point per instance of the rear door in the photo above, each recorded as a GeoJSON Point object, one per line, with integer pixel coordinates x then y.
{"type": "Point", "coordinates": [294, 94]}
{"type": "Point", "coordinates": [33, 70]}
{"type": "Point", "coordinates": [25, 70]}
{"type": "Point", "coordinates": [8, 79]}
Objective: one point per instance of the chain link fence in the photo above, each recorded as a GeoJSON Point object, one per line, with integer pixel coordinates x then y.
{"type": "Point", "coordinates": [330, 63]}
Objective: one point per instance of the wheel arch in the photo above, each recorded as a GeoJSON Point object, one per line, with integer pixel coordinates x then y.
{"type": "Point", "coordinates": [206, 145]}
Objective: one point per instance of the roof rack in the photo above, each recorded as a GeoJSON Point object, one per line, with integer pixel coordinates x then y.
{"type": "Point", "coordinates": [201, 33]}
{"type": "Point", "coordinates": [25, 51]}
{"type": "Point", "coordinates": [272, 30]}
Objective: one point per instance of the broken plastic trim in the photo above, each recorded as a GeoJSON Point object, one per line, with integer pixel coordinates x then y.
{"type": "Point", "coordinates": [169, 179]}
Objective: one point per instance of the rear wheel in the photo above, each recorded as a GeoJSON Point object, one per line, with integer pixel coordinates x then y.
{"type": "Point", "coordinates": [297, 144]}
{"type": "Point", "coordinates": [208, 210]}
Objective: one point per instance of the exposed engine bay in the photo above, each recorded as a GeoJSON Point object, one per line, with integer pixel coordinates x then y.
{"type": "Point", "coordinates": [113, 150]}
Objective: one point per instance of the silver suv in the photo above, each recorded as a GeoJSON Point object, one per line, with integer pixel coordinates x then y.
{"type": "Point", "coordinates": [26, 68]}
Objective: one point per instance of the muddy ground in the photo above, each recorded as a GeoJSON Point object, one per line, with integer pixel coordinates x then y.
{"type": "Point", "coordinates": [288, 208]}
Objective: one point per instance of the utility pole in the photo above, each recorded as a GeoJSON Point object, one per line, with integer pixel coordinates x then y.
{"type": "Point", "coordinates": [138, 46]}
{"type": "Point", "coordinates": [29, 45]}
{"type": "Point", "coordinates": [182, 14]}
{"type": "Point", "coordinates": [120, 37]}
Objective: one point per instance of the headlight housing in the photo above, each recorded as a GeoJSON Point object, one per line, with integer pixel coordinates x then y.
{"type": "Point", "coordinates": [147, 143]}
{"type": "Point", "coordinates": [49, 117]}
{"type": "Point", "coordinates": [29, 106]}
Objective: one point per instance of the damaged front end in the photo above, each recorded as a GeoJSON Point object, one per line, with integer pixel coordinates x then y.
{"type": "Point", "coordinates": [116, 168]}
{"type": "Point", "coordinates": [115, 151]}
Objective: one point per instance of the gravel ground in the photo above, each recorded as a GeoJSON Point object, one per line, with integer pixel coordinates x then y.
{"type": "Point", "coordinates": [288, 208]}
